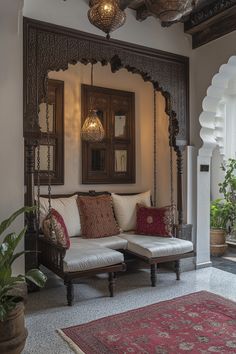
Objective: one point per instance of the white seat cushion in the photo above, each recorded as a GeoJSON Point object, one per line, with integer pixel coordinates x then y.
{"type": "Point", "coordinates": [125, 208]}
{"type": "Point", "coordinates": [67, 208]}
{"type": "Point", "coordinates": [153, 246]}
{"type": "Point", "coordinates": [113, 242]}
{"type": "Point", "coordinates": [90, 257]}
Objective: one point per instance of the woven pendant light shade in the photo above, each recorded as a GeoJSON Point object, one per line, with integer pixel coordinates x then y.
{"type": "Point", "coordinates": [92, 129]}
{"type": "Point", "coordinates": [106, 15]}
{"type": "Point", "coordinates": [170, 10]}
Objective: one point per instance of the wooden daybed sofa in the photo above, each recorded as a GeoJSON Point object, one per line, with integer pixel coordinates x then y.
{"type": "Point", "coordinates": [87, 257]}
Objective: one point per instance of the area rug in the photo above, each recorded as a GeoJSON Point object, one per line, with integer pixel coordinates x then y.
{"type": "Point", "coordinates": [197, 323]}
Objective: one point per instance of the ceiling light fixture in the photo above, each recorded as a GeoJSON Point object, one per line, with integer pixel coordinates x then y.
{"type": "Point", "coordinates": [106, 15]}
{"type": "Point", "coordinates": [170, 10]}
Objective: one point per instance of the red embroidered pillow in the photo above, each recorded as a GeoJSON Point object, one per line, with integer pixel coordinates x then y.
{"type": "Point", "coordinates": [154, 221]}
{"type": "Point", "coordinates": [97, 217]}
{"type": "Point", "coordinates": [55, 229]}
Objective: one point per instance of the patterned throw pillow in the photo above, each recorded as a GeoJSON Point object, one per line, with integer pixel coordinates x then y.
{"type": "Point", "coordinates": [55, 229]}
{"type": "Point", "coordinates": [154, 221]}
{"type": "Point", "coordinates": [97, 217]}
{"type": "Point", "coordinates": [125, 208]}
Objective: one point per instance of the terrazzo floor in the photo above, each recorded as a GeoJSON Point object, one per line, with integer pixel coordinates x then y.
{"type": "Point", "coordinates": [227, 262]}
{"type": "Point", "coordinates": [46, 310]}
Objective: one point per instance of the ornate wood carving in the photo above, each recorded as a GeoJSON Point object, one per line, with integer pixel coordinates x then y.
{"type": "Point", "coordinates": [211, 22]}
{"type": "Point", "coordinates": [49, 47]}
{"type": "Point", "coordinates": [208, 11]}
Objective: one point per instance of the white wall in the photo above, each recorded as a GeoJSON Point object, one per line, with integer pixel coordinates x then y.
{"type": "Point", "coordinates": [11, 120]}
{"type": "Point", "coordinates": [73, 14]}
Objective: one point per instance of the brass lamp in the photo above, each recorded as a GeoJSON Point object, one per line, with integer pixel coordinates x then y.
{"type": "Point", "coordinates": [92, 129]}
{"type": "Point", "coordinates": [106, 15]}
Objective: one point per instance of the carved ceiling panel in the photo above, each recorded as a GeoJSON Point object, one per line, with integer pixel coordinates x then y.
{"type": "Point", "coordinates": [205, 20]}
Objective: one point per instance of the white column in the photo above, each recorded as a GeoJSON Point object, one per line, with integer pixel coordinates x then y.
{"type": "Point", "coordinates": [203, 211]}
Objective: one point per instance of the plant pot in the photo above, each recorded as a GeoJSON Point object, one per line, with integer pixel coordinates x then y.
{"type": "Point", "coordinates": [13, 333]}
{"type": "Point", "coordinates": [217, 242]}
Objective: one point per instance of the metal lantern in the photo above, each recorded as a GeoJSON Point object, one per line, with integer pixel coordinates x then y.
{"type": "Point", "coordinates": [92, 129]}
{"type": "Point", "coordinates": [106, 15]}
{"type": "Point", "coordinates": [170, 10]}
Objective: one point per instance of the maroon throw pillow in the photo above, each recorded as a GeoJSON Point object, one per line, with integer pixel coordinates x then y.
{"type": "Point", "coordinates": [97, 217]}
{"type": "Point", "coordinates": [55, 229]}
{"type": "Point", "coordinates": [154, 221]}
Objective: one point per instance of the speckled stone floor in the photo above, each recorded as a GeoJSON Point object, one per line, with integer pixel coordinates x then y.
{"type": "Point", "coordinates": [46, 310]}
{"type": "Point", "coordinates": [227, 262]}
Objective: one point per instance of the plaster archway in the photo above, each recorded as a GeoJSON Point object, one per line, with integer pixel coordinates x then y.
{"type": "Point", "coordinates": [212, 135]}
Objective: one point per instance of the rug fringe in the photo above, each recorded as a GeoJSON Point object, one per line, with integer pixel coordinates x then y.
{"type": "Point", "coordinates": [71, 344]}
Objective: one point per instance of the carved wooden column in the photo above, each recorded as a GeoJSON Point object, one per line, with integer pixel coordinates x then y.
{"type": "Point", "coordinates": [31, 259]}
{"type": "Point", "coordinates": [179, 153]}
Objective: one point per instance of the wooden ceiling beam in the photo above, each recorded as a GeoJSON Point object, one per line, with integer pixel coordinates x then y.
{"type": "Point", "coordinates": [211, 22]}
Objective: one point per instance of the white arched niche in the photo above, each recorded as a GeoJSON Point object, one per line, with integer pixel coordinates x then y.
{"type": "Point", "coordinates": [218, 133]}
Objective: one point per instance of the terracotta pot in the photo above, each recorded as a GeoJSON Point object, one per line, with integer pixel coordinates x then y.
{"type": "Point", "coordinates": [13, 333]}
{"type": "Point", "coordinates": [217, 242]}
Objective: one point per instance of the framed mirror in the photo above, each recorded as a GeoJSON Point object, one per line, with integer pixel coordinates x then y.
{"type": "Point", "coordinates": [112, 160]}
{"type": "Point", "coordinates": [56, 135]}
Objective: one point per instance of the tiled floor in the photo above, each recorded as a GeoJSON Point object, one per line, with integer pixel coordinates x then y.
{"type": "Point", "coordinates": [47, 310]}
{"type": "Point", "coordinates": [227, 262]}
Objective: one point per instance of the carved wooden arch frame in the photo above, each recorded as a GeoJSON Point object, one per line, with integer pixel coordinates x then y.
{"type": "Point", "coordinates": [49, 47]}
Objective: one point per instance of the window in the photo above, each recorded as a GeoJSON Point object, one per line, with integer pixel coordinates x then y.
{"type": "Point", "coordinates": [56, 134]}
{"type": "Point", "coordinates": [113, 159]}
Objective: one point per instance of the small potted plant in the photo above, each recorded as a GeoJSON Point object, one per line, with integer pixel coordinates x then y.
{"type": "Point", "coordinates": [219, 217]}
{"type": "Point", "coordinates": [12, 328]}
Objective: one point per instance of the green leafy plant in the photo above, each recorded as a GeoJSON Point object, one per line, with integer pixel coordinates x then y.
{"type": "Point", "coordinates": [228, 189]}
{"type": "Point", "coordinates": [8, 255]}
{"type": "Point", "coordinates": [219, 214]}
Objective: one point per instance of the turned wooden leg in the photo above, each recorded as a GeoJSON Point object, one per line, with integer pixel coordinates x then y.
{"type": "Point", "coordinates": [153, 274]}
{"type": "Point", "coordinates": [111, 286]}
{"type": "Point", "coordinates": [177, 270]}
{"type": "Point", "coordinates": [70, 292]}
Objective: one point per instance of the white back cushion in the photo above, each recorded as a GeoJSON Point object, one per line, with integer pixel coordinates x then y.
{"type": "Point", "coordinates": [125, 208]}
{"type": "Point", "coordinates": [68, 209]}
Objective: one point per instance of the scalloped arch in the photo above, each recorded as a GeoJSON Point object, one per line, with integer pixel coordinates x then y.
{"type": "Point", "coordinates": [212, 119]}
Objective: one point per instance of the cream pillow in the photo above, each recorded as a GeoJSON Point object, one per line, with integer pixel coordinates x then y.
{"type": "Point", "coordinates": [67, 208]}
{"type": "Point", "coordinates": [125, 208]}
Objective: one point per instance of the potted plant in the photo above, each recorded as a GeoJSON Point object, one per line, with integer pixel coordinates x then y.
{"type": "Point", "coordinates": [228, 189]}
{"type": "Point", "coordinates": [219, 216]}
{"type": "Point", "coordinates": [12, 329]}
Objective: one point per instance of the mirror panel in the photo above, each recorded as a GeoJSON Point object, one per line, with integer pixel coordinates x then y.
{"type": "Point", "coordinates": [120, 126]}
{"type": "Point", "coordinates": [120, 160]}
{"type": "Point", "coordinates": [98, 159]}
{"type": "Point", "coordinates": [42, 117]}
{"type": "Point", "coordinates": [43, 153]}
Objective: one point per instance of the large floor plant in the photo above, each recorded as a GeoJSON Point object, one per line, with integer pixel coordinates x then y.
{"type": "Point", "coordinates": [11, 314]}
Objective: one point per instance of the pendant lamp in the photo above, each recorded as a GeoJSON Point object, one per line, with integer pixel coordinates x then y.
{"type": "Point", "coordinates": [92, 129]}
{"type": "Point", "coordinates": [106, 15]}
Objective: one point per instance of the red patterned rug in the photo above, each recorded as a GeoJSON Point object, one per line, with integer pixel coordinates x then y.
{"type": "Point", "coordinates": [197, 323]}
